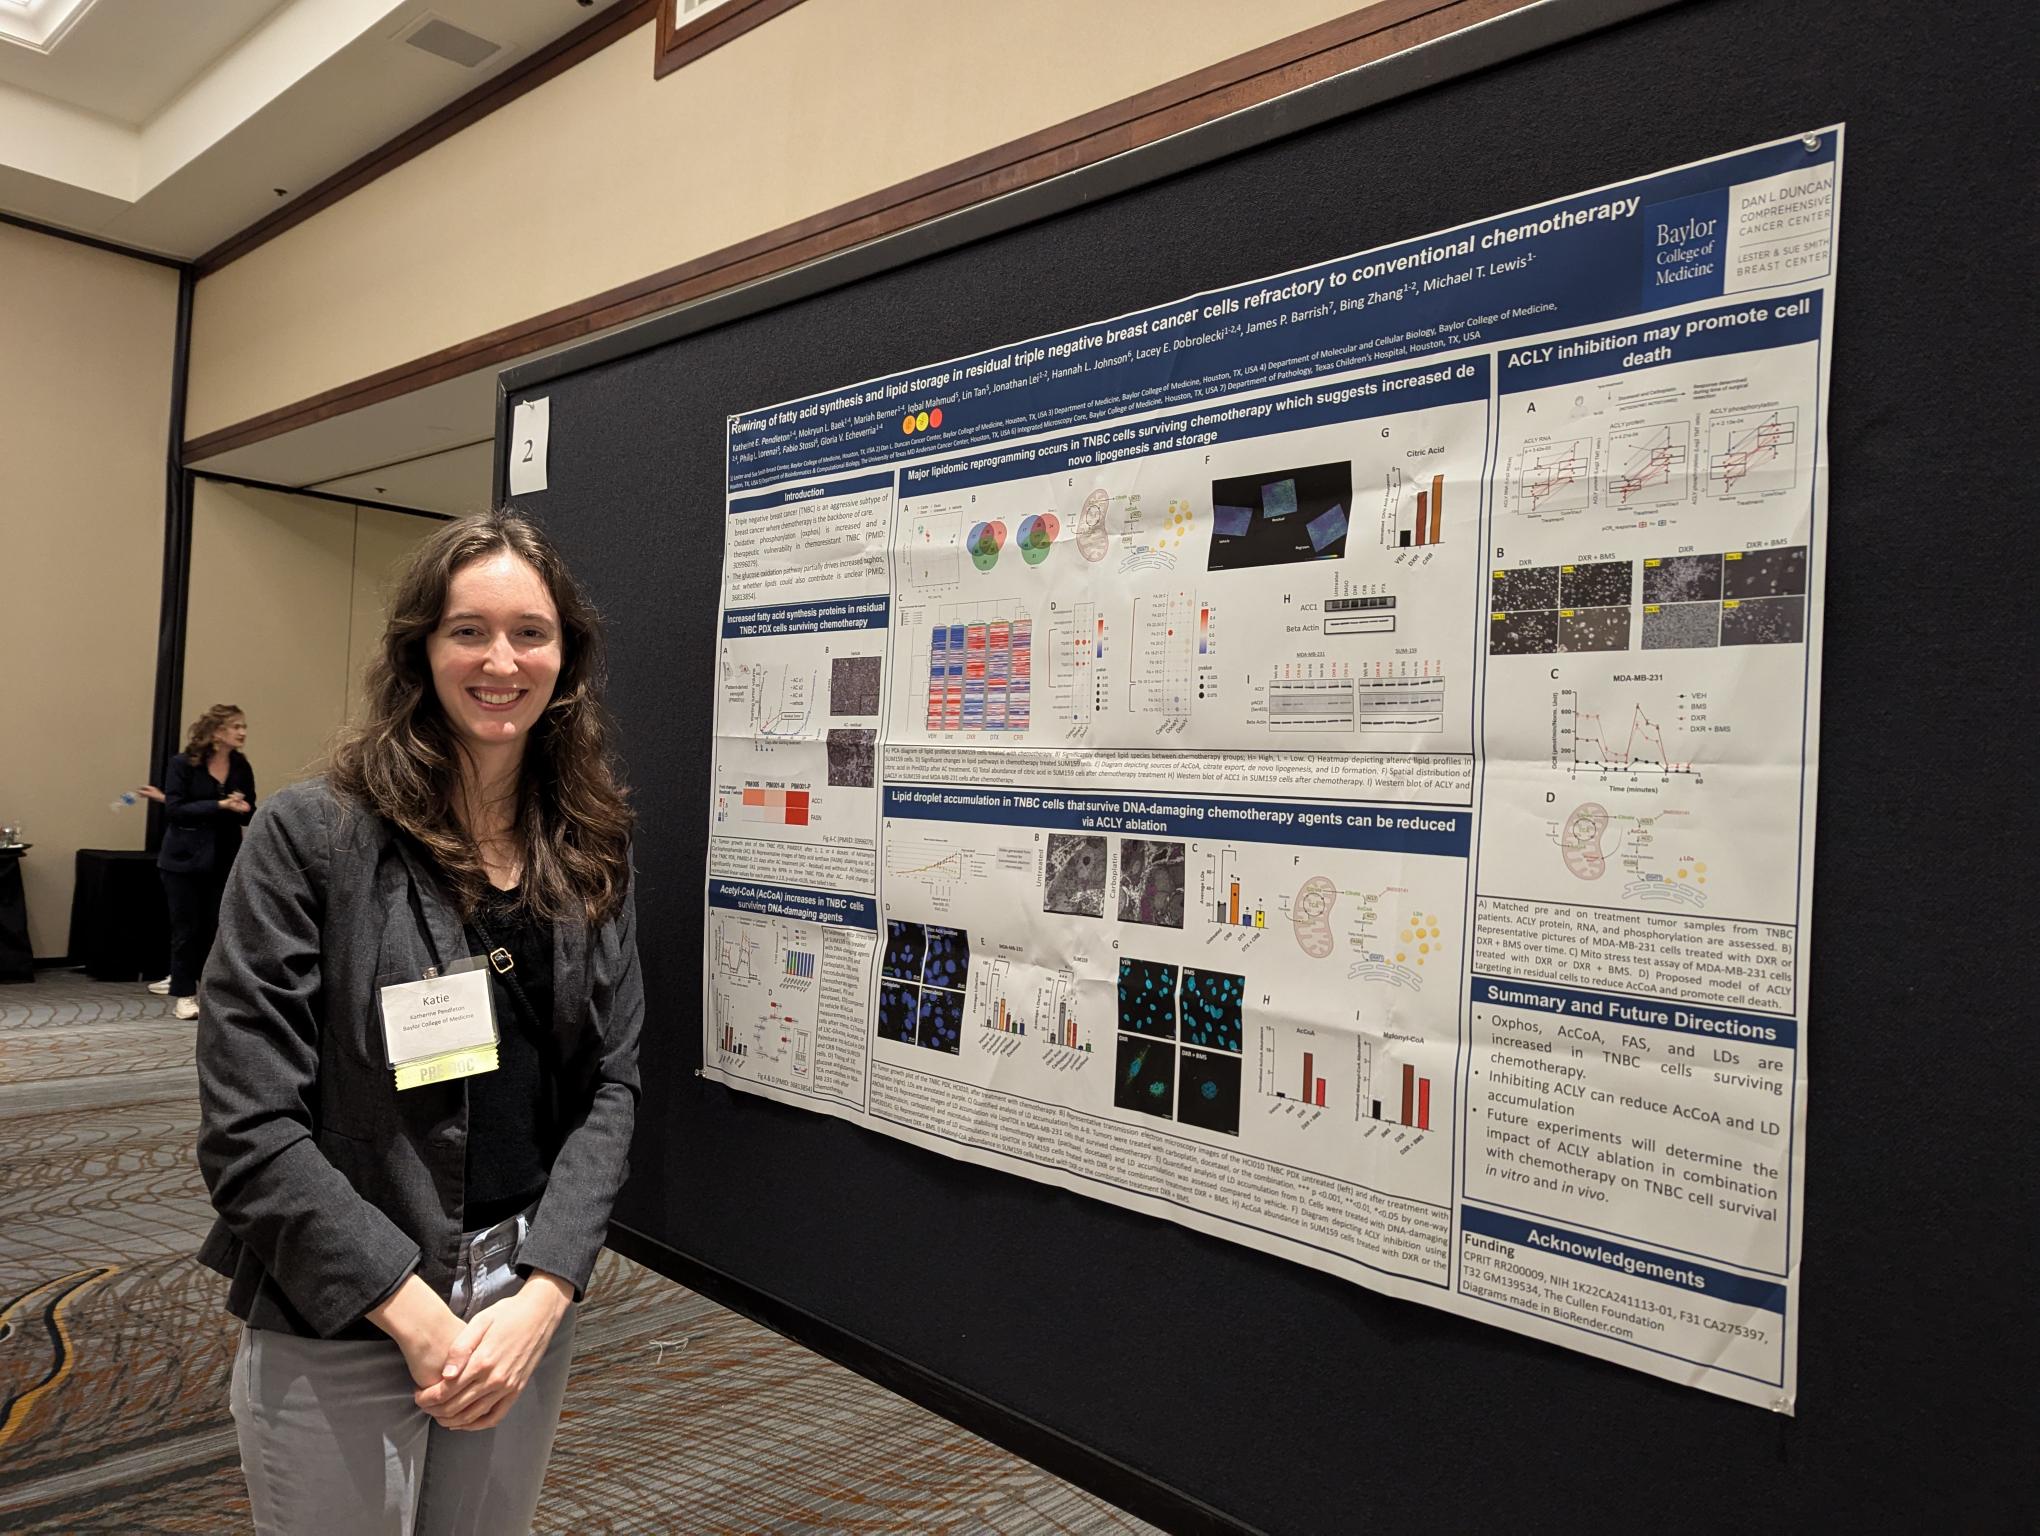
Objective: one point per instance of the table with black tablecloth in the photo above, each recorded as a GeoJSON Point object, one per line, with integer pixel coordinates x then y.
{"type": "Point", "coordinates": [120, 925]}
{"type": "Point", "coordinates": [17, 960]}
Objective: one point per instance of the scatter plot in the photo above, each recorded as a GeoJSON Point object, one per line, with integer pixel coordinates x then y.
{"type": "Point", "coordinates": [948, 963]}
{"type": "Point", "coordinates": [1764, 621]}
{"type": "Point", "coordinates": [1075, 879]}
{"type": "Point", "coordinates": [1147, 997]}
{"type": "Point", "coordinates": [897, 1006]}
{"type": "Point", "coordinates": [905, 946]}
{"type": "Point", "coordinates": [1145, 1079]}
{"type": "Point", "coordinates": [1208, 1091]}
{"type": "Point", "coordinates": [940, 1027]}
{"type": "Point", "coordinates": [852, 758]}
{"type": "Point", "coordinates": [853, 685]}
{"type": "Point", "coordinates": [1151, 882]}
{"type": "Point", "coordinates": [1211, 1008]}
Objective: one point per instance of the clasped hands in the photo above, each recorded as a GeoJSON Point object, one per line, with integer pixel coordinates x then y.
{"type": "Point", "coordinates": [469, 1375]}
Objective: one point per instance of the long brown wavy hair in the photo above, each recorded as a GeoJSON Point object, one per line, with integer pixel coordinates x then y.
{"type": "Point", "coordinates": [404, 759]}
{"type": "Point", "coordinates": [198, 745]}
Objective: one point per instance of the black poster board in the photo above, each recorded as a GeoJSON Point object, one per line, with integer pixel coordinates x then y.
{"type": "Point", "coordinates": [1184, 1376]}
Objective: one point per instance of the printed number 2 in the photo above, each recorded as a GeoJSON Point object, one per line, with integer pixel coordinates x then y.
{"type": "Point", "coordinates": [528, 446]}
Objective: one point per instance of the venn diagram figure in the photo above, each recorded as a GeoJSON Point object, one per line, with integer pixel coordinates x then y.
{"type": "Point", "coordinates": [1037, 538]}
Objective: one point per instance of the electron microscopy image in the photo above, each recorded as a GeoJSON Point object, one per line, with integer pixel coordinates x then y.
{"type": "Point", "coordinates": [851, 757]}
{"type": "Point", "coordinates": [1523, 634]}
{"type": "Point", "coordinates": [1764, 621]}
{"type": "Point", "coordinates": [1766, 573]}
{"type": "Point", "coordinates": [1681, 626]}
{"type": "Point", "coordinates": [1594, 629]}
{"type": "Point", "coordinates": [1536, 587]}
{"type": "Point", "coordinates": [1594, 586]}
{"type": "Point", "coordinates": [1075, 878]}
{"type": "Point", "coordinates": [853, 685]}
{"type": "Point", "coordinates": [1150, 882]}
{"type": "Point", "coordinates": [1211, 1008]}
{"type": "Point", "coordinates": [1208, 1091]}
{"type": "Point", "coordinates": [1682, 579]}
{"type": "Point", "coordinates": [1146, 1076]}
{"type": "Point", "coordinates": [1147, 997]}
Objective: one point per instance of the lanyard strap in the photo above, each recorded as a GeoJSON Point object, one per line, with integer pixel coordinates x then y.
{"type": "Point", "coordinates": [504, 964]}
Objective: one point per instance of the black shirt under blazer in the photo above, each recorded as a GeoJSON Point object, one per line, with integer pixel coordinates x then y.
{"type": "Point", "coordinates": [199, 838]}
{"type": "Point", "coordinates": [330, 1185]}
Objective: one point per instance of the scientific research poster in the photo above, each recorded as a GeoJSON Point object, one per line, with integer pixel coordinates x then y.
{"type": "Point", "coordinates": [1329, 762]}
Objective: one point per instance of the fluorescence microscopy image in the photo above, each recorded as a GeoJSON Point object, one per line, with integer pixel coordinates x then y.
{"type": "Point", "coordinates": [1147, 997]}
{"type": "Point", "coordinates": [1535, 587]}
{"type": "Point", "coordinates": [1075, 879]}
{"type": "Point", "coordinates": [1594, 629]}
{"type": "Point", "coordinates": [1523, 634]}
{"type": "Point", "coordinates": [1145, 1077]}
{"type": "Point", "coordinates": [1682, 579]}
{"type": "Point", "coordinates": [1681, 626]}
{"type": "Point", "coordinates": [1208, 1091]}
{"type": "Point", "coordinates": [897, 1007]}
{"type": "Point", "coordinates": [905, 944]}
{"type": "Point", "coordinates": [1765, 572]}
{"type": "Point", "coordinates": [940, 1027]}
{"type": "Point", "coordinates": [948, 963]}
{"type": "Point", "coordinates": [1211, 1008]}
{"type": "Point", "coordinates": [853, 685]}
{"type": "Point", "coordinates": [851, 757]}
{"type": "Point", "coordinates": [1600, 585]}
{"type": "Point", "coordinates": [1150, 882]}
{"type": "Point", "coordinates": [1764, 621]}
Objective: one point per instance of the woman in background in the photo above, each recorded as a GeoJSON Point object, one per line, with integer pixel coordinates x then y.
{"type": "Point", "coordinates": [208, 796]}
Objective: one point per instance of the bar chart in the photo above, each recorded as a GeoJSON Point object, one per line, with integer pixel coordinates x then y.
{"type": "Point", "coordinates": [1224, 900]}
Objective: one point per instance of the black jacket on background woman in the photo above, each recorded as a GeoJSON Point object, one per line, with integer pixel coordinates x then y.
{"type": "Point", "coordinates": [199, 838]}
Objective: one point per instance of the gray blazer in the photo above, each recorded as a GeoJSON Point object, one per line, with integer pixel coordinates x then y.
{"type": "Point", "coordinates": [331, 1186]}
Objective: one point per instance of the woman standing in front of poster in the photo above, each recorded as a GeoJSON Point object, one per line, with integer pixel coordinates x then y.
{"type": "Point", "coordinates": [407, 1229]}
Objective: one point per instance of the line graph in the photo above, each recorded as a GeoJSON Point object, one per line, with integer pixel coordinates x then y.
{"type": "Point", "coordinates": [1753, 453]}
{"type": "Point", "coordinates": [1590, 740]}
{"type": "Point", "coordinates": [1654, 461]}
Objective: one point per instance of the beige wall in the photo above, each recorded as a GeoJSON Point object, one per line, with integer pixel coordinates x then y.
{"type": "Point", "coordinates": [603, 175]}
{"type": "Point", "coordinates": [87, 342]}
{"type": "Point", "coordinates": [286, 603]}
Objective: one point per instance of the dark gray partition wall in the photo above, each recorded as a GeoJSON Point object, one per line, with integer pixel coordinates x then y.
{"type": "Point", "coordinates": [1206, 1383]}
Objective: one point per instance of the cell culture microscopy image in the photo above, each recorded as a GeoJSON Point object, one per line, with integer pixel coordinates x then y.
{"type": "Point", "coordinates": [1766, 573]}
{"type": "Point", "coordinates": [1208, 1091]}
{"type": "Point", "coordinates": [1594, 629]}
{"type": "Point", "coordinates": [905, 945]}
{"type": "Point", "coordinates": [1147, 997]}
{"type": "Point", "coordinates": [1681, 626]}
{"type": "Point", "coordinates": [1595, 586]}
{"type": "Point", "coordinates": [1764, 621]}
{"type": "Point", "coordinates": [948, 963]}
{"type": "Point", "coordinates": [1211, 1008]}
{"type": "Point", "coordinates": [941, 1022]}
{"type": "Point", "coordinates": [1682, 579]}
{"type": "Point", "coordinates": [897, 1006]}
{"type": "Point", "coordinates": [1523, 634]}
{"type": "Point", "coordinates": [1536, 587]}
{"type": "Point", "coordinates": [851, 757]}
{"type": "Point", "coordinates": [1145, 1076]}
{"type": "Point", "coordinates": [1150, 883]}
{"type": "Point", "coordinates": [1075, 878]}
{"type": "Point", "coordinates": [853, 685]}
{"type": "Point", "coordinates": [1280, 516]}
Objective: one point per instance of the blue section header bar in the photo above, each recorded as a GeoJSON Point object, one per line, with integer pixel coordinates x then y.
{"type": "Point", "coordinates": [831, 909]}
{"type": "Point", "coordinates": [1390, 828]}
{"type": "Point", "coordinates": [788, 495]}
{"type": "Point", "coordinates": [807, 618]}
{"type": "Point", "coordinates": [1713, 333]}
{"type": "Point", "coordinates": [1587, 260]}
{"type": "Point", "coordinates": [1414, 390]}
{"type": "Point", "coordinates": [1680, 1274]}
{"type": "Point", "coordinates": [1636, 1012]}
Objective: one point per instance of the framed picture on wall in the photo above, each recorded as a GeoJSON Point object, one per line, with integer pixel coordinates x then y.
{"type": "Point", "coordinates": [690, 28]}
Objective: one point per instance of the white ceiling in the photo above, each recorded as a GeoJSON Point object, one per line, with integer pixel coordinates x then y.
{"type": "Point", "coordinates": [169, 125]}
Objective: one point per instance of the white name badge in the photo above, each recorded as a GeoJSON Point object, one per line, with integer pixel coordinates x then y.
{"type": "Point", "coordinates": [440, 1028]}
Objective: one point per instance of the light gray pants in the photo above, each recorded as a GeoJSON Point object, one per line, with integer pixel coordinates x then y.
{"type": "Point", "coordinates": [332, 1442]}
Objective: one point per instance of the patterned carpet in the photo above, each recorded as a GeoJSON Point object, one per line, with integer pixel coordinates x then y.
{"type": "Point", "coordinates": [114, 1350]}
